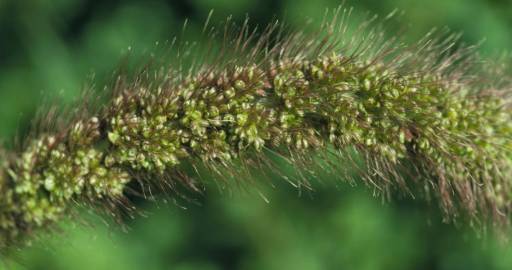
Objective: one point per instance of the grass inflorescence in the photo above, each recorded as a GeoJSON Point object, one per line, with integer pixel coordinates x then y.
{"type": "Point", "coordinates": [426, 119]}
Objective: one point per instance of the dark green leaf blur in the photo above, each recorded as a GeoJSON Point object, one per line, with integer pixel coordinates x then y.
{"type": "Point", "coordinates": [51, 49]}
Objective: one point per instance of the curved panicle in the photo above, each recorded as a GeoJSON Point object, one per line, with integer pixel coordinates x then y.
{"type": "Point", "coordinates": [427, 119]}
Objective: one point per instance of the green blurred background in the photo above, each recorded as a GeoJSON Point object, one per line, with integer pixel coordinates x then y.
{"type": "Point", "coordinates": [50, 48]}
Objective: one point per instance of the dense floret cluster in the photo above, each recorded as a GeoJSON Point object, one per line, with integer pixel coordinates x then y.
{"type": "Point", "coordinates": [424, 128]}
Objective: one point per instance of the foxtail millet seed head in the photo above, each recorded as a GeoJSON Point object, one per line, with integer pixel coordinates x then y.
{"type": "Point", "coordinates": [427, 125]}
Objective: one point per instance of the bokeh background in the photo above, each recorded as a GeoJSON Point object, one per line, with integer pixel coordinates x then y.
{"type": "Point", "coordinates": [50, 48]}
